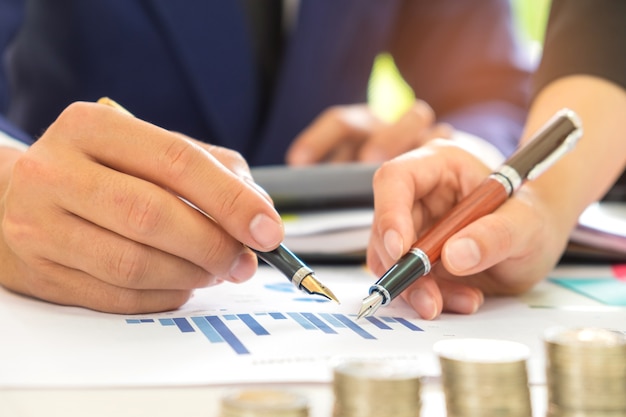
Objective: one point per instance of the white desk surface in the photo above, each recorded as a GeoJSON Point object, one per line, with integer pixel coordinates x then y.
{"type": "Point", "coordinates": [188, 402]}
{"type": "Point", "coordinates": [205, 401]}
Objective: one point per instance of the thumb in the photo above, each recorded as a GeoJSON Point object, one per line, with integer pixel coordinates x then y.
{"type": "Point", "coordinates": [506, 233]}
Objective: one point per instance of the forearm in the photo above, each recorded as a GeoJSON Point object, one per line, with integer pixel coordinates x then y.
{"type": "Point", "coordinates": [585, 174]}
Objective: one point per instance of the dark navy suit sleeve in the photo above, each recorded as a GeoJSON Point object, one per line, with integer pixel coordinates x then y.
{"type": "Point", "coordinates": [11, 12]}
{"type": "Point", "coordinates": [466, 61]}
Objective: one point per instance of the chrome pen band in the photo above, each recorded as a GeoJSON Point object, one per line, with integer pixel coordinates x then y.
{"type": "Point", "coordinates": [300, 274]}
{"type": "Point", "coordinates": [508, 177]}
{"type": "Point", "coordinates": [382, 291]}
{"type": "Point", "coordinates": [423, 257]}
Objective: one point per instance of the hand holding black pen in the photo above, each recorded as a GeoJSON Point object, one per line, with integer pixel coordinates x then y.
{"type": "Point", "coordinates": [281, 258]}
{"type": "Point", "coordinates": [548, 145]}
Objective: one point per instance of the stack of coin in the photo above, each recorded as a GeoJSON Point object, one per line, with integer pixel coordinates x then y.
{"type": "Point", "coordinates": [377, 389]}
{"type": "Point", "coordinates": [586, 372]}
{"type": "Point", "coordinates": [484, 377]}
{"type": "Point", "coordinates": [264, 403]}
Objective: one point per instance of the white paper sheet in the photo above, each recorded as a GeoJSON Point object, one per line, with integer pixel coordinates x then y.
{"type": "Point", "coordinates": [45, 345]}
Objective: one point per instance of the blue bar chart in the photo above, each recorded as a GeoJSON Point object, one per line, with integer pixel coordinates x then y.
{"type": "Point", "coordinates": [221, 329]}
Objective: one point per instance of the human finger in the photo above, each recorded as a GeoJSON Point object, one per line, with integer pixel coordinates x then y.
{"type": "Point", "coordinates": [161, 157]}
{"type": "Point", "coordinates": [414, 190]}
{"type": "Point", "coordinates": [136, 210]}
{"type": "Point", "coordinates": [430, 296]}
{"type": "Point", "coordinates": [515, 244]}
{"type": "Point", "coordinates": [424, 297]}
{"type": "Point", "coordinates": [335, 127]}
{"type": "Point", "coordinates": [80, 289]}
{"type": "Point", "coordinates": [414, 128]}
{"type": "Point", "coordinates": [117, 260]}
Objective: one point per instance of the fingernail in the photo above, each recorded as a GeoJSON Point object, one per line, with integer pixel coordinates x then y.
{"type": "Point", "coordinates": [266, 231]}
{"type": "Point", "coordinates": [421, 301]}
{"type": "Point", "coordinates": [243, 268]}
{"type": "Point", "coordinates": [462, 303]}
{"type": "Point", "coordinates": [393, 244]}
{"type": "Point", "coordinates": [464, 254]}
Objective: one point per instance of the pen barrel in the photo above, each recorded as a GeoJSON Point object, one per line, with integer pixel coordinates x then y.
{"type": "Point", "coordinates": [491, 194]}
{"type": "Point", "coordinates": [286, 262]}
{"type": "Point", "coordinates": [563, 129]}
{"type": "Point", "coordinates": [395, 280]}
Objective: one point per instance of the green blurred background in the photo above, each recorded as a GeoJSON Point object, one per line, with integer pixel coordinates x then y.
{"type": "Point", "coordinates": [389, 95]}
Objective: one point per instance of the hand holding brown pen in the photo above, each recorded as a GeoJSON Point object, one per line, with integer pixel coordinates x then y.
{"type": "Point", "coordinates": [538, 154]}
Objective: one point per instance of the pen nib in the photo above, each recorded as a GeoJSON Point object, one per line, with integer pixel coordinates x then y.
{"type": "Point", "coordinates": [313, 286]}
{"type": "Point", "coordinates": [370, 304]}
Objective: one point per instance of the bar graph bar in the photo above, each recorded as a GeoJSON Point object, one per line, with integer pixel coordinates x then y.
{"type": "Point", "coordinates": [253, 324]}
{"type": "Point", "coordinates": [227, 334]}
{"type": "Point", "coordinates": [407, 324]}
{"type": "Point", "coordinates": [223, 328]}
{"type": "Point", "coordinates": [207, 330]}
{"type": "Point", "coordinates": [318, 323]}
{"type": "Point", "coordinates": [378, 323]}
{"type": "Point", "coordinates": [353, 326]}
{"type": "Point", "coordinates": [183, 324]}
{"type": "Point", "coordinates": [307, 325]}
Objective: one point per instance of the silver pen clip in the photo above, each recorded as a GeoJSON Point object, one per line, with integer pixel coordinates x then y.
{"type": "Point", "coordinates": [567, 145]}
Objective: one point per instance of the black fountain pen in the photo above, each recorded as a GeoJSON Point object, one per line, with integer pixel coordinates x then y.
{"type": "Point", "coordinates": [296, 271]}
{"type": "Point", "coordinates": [549, 144]}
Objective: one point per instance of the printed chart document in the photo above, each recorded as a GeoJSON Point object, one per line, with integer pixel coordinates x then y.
{"type": "Point", "coordinates": [260, 331]}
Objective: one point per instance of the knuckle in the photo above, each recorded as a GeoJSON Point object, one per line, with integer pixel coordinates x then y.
{"type": "Point", "coordinates": [75, 115]}
{"type": "Point", "coordinates": [144, 212]}
{"type": "Point", "coordinates": [25, 167]}
{"type": "Point", "coordinates": [230, 199]}
{"type": "Point", "coordinates": [227, 154]}
{"type": "Point", "coordinates": [387, 169]}
{"type": "Point", "coordinates": [422, 112]}
{"type": "Point", "coordinates": [130, 267]}
{"type": "Point", "coordinates": [233, 160]}
{"type": "Point", "coordinates": [213, 257]}
{"type": "Point", "coordinates": [177, 159]}
{"type": "Point", "coordinates": [29, 171]}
